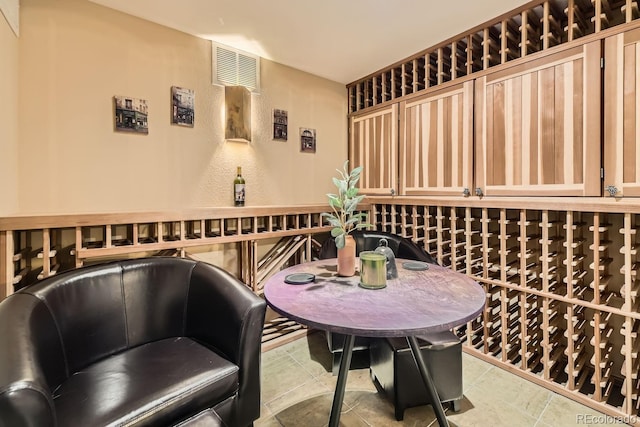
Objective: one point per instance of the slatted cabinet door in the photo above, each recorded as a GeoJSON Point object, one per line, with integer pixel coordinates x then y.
{"type": "Point", "coordinates": [436, 142]}
{"type": "Point", "coordinates": [538, 126]}
{"type": "Point", "coordinates": [622, 114]}
{"type": "Point", "coordinates": [374, 145]}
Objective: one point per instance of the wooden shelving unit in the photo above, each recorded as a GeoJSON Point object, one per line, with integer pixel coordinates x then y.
{"type": "Point", "coordinates": [563, 304]}
{"type": "Point", "coordinates": [32, 248]}
{"type": "Point", "coordinates": [534, 27]}
{"type": "Point", "coordinates": [563, 308]}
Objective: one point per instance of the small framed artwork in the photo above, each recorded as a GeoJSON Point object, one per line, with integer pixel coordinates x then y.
{"type": "Point", "coordinates": [131, 114]}
{"type": "Point", "coordinates": [280, 125]}
{"type": "Point", "coordinates": [182, 106]}
{"type": "Point", "coordinates": [307, 140]}
{"type": "Point", "coordinates": [237, 101]}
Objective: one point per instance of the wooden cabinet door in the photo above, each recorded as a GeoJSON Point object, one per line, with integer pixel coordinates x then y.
{"type": "Point", "coordinates": [622, 114]}
{"type": "Point", "coordinates": [436, 142]}
{"type": "Point", "coordinates": [373, 144]}
{"type": "Point", "coordinates": [538, 126]}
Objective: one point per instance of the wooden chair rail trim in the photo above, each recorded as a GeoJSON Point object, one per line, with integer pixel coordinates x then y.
{"type": "Point", "coordinates": [582, 204]}
{"type": "Point", "coordinates": [26, 222]}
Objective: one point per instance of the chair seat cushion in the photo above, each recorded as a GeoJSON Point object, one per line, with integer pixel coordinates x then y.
{"type": "Point", "coordinates": [159, 382]}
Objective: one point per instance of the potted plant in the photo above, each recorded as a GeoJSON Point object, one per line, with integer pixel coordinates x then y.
{"type": "Point", "coordinates": [344, 218]}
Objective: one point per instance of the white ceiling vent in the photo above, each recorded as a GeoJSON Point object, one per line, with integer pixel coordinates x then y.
{"type": "Point", "coordinates": [233, 67]}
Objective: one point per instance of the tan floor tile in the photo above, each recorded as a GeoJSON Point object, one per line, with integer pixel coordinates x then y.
{"type": "Point", "coordinates": [314, 412]}
{"type": "Point", "coordinates": [509, 389]}
{"type": "Point", "coordinates": [316, 358]}
{"type": "Point", "coordinates": [302, 342]}
{"type": "Point", "coordinates": [480, 409]}
{"type": "Point", "coordinates": [564, 412]}
{"type": "Point", "coordinates": [357, 380]}
{"type": "Point", "coordinates": [379, 411]}
{"type": "Point", "coordinates": [274, 354]}
{"type": "Point", "coordinates": [270, 421]}
{"type": "Point", "coordinates": [265, 412]}
{"type": "Point", "coordinates": [472, 369]}
{"type": "Point", "coordinates": [280, 376]}
{"type": "Point", "coordinates": [298, 389]}
{"type": "Point", "coordinates": [305, 391]}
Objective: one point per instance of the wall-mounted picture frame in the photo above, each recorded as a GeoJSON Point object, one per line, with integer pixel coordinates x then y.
{"type": "Point", "coordinates": [280, 124]}
{"type": "Point", "coordinates": [182, 106]}
{"type": "Point", "coordinates": [307, 140]}
{"type": "Point", "coordinates": [131, 114]}
{"type": "Point", "coordinates": [237, 101]}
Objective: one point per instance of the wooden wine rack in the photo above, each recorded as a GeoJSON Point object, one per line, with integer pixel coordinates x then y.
{"type": "Point", "coordinates": [35, 247]}
{"type": "Point", "coordinates": [563, 303]}
{"type": "Point", "coordinates": [535, 27]}
{"type": "Point", "coordinates": [562, 307]}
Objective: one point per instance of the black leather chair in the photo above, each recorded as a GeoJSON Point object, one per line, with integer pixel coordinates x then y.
{"type": "Point", "coordinates": [367, 240]}
{"type": "Point", "coordinates": [153, 341]}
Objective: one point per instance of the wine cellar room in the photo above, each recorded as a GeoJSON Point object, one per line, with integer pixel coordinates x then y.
{"type": "Point", "coordinates": [510, 153]}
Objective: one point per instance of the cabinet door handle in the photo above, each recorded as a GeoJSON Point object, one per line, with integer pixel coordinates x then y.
{"type": "Point", "coordinates": [466, 192]}
{"type": "Point", "coordinates": [478, 191]}
{"type": "Point", "coordinates": [393, 192]}
{"type": "Point", "coordinates": [612, 189]}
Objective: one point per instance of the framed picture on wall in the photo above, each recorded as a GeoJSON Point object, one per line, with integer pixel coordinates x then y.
{"type": "Point", "coordinates": [280, 125]}
{"type": "Point", "coordinates": [131, 114]}
{"type": "Point", "coordinates": [307, 140]}
{"type": "Point", "coordinates": [237, 101]}
{"type": "Point", "coordinates": [182, 106]}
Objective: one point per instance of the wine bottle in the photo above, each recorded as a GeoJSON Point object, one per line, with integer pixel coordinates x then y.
{"type": "Point", "coordinates": [238, 188]}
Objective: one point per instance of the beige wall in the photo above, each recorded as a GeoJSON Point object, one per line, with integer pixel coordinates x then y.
{"type": "Point", "coordinates": [75, 56]}
{"type": "Point", "coordinates": [8, 119]}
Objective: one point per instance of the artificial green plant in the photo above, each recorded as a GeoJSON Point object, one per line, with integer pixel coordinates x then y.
{"type": "Point", "coordinates": [344, 218]}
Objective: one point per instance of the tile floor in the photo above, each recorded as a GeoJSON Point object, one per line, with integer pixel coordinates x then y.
{"type": "Point", "coordinates": [297, 390]}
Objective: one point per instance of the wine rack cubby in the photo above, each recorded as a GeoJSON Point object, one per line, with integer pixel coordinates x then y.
{"type": "Point", "coordinates": [563, 303]}
{"type": "Point", "coordinates": [529, 29]}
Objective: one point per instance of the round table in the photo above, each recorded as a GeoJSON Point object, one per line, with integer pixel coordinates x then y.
{"type": "Point", "coordinates": [417, 302]}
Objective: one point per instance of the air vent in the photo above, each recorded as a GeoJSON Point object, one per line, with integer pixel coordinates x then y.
{"type": "Point", "coordinates": [233, 67]}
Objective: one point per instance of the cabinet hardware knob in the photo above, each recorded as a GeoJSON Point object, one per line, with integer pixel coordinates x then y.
{"type": "Point", "coordinates": [393, 192]}
{"type": "Point", "coordinates": [612, 189]}
{"type": "Point", "coordinates": [466, 192]}
{"type": "Point", "coordinates": [478, 191]}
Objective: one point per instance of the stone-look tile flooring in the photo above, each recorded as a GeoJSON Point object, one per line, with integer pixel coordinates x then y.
{"type": "Point", "coordinates": [297, 391]}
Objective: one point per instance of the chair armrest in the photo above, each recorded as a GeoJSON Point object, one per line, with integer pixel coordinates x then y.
{"type": "Point", "coordinates": [225, 314]}
{"type": "Point", "coordinates": [30, 360]}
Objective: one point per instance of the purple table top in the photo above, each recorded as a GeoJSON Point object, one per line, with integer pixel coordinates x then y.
{"type": "Point", "coordinates": [415, 303]}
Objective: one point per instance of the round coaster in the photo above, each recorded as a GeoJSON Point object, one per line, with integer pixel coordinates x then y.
{"type": "Point", "coordinates": [415, 265]}
{"type": "Point", "coordinates": [299, 278]}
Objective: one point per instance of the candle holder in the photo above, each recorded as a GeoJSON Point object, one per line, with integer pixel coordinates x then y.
{"type": "Point", "coordinates": [373, 270]}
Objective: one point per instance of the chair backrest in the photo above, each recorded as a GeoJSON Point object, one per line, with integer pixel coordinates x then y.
{"type": "Point", "coordinates": [368, 240]}
{"type": "Point", "coordinates": [99, 310]}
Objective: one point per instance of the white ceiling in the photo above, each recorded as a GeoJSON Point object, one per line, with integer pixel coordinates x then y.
{"type": "Point", "coordinates": [341, 40]}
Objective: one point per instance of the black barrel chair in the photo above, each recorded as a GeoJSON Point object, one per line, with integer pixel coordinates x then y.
{"type": "Point", "coordinates": [159, 341]}
{"type": "Point", "coordinates": [390, 359]}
